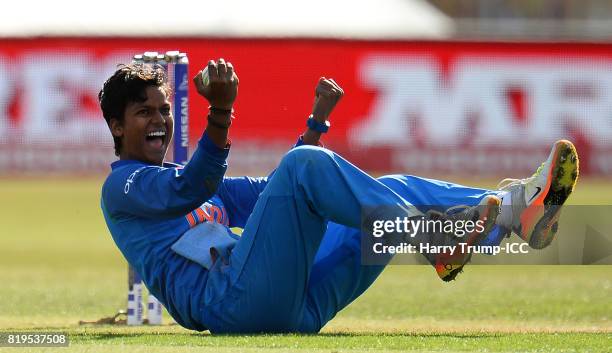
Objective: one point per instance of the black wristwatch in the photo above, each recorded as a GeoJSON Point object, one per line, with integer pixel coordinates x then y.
{"type": "Point", "coordinates": [313, 124]}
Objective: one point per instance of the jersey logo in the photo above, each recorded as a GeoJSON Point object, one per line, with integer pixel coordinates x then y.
{"type": "Point", "coordinates": [130, 180]}
{"type": "Point", "coordinates": [207, 213]}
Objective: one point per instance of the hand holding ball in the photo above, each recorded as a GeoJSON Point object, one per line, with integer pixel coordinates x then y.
{"type": "Point", "coordinates": [205, 78]}
{"type": "Point", "coordinates": [218, 83]}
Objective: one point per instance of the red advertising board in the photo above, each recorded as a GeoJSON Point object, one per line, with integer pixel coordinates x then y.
{"type": "Point", "coordinates": [410, 107]}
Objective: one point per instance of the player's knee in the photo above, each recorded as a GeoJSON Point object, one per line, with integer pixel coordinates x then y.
{"type": "Point", "coordinates": [308, 154]}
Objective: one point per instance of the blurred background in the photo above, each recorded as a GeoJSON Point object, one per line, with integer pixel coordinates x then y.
{"type": "Point", "coordinates": [473, 88]}
{"type": "Point", "coordinates": [468, 90]}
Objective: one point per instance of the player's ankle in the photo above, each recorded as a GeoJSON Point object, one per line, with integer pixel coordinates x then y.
{"type": "Point", "coordinates": [505, 216]}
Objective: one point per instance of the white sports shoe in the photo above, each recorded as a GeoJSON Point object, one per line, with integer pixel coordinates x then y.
{"type": "Point", "coordinates": [537, 201]}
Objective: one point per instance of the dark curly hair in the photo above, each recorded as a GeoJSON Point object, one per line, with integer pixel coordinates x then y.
{"type": "Point", "coordinates": [128, 84]}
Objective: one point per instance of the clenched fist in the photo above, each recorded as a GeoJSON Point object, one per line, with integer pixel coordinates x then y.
{"type": "Point", "coordinates": [327, 95]}
{"type": "Point", "coordinates": [222, 87]}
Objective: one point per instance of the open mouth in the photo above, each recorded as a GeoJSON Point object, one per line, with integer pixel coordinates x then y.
{"type": "Point", "coordinates": [156, 139]}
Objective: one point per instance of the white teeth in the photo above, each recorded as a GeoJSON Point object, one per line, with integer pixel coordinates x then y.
{"type": "Point", "coordinates": [157, 133]}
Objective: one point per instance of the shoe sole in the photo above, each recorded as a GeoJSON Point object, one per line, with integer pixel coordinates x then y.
{"type": "Point", "coordinates": [447, 266]}
{"type": "Point", "coordinates": [561, 179]}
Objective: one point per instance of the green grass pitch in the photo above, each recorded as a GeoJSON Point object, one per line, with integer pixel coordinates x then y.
{"type": "Point", "coordinates": [58, 265]}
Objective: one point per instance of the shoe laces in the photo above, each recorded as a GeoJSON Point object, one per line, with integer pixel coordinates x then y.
{"type": "Point", "coordinates": [509, 182]}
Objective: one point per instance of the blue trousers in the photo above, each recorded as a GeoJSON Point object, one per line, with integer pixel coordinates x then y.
{"type": "Point", "coordinates": [298, 262]}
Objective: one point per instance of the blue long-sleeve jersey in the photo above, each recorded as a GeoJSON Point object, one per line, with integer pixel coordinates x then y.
{"type": "Point", "coordinates": [148, 208]}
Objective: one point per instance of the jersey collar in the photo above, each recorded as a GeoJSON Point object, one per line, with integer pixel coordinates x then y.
{"type": "Point", "coordinates": [123, 162]}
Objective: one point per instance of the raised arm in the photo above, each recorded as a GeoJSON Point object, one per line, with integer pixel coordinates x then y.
{"type": "Point", "coordinates": [220, 91]}
{"type": "Point", "coordinates": [327, 95]}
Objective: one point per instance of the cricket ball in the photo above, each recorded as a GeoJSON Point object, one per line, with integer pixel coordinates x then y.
{"type": "Point", "coordinates": [205, 78]}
